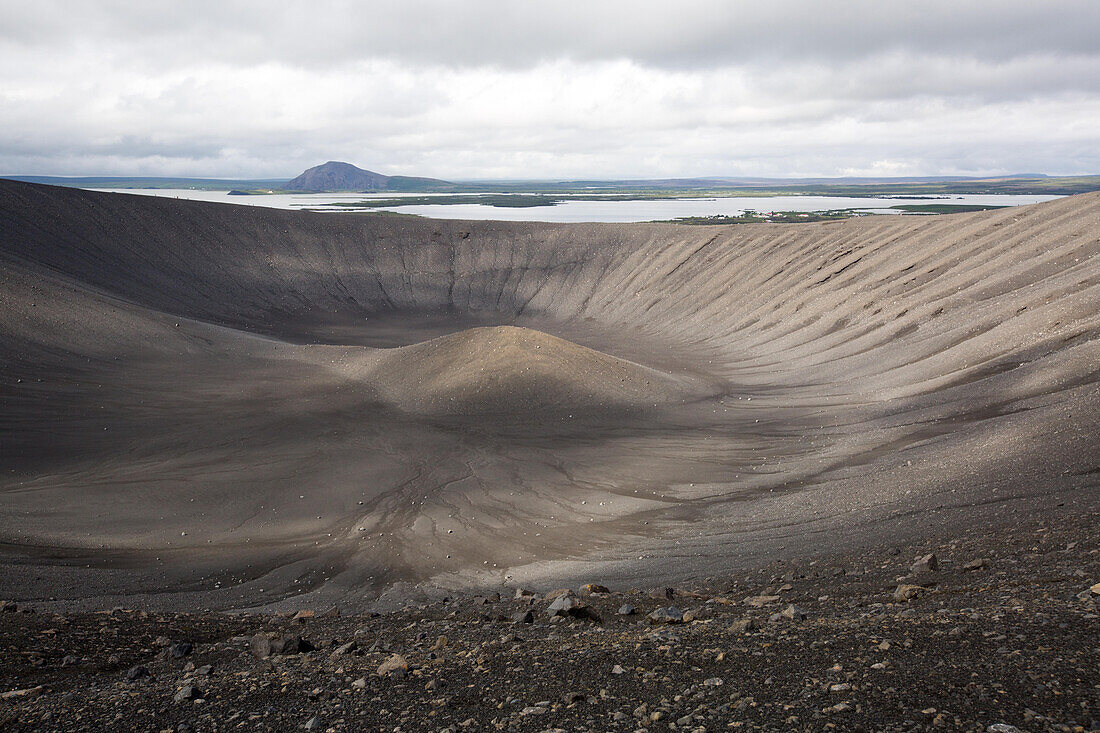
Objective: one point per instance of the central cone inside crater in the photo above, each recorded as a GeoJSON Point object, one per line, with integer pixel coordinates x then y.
{"type": "Point", "coordinates": [508, 369]}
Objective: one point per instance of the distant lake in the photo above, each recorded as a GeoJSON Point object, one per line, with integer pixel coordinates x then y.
{"type": "Point", "coordinates": [575, 211]}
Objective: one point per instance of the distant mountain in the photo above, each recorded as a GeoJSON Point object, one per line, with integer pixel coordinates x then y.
{"type": "Point", "coordinates": [337, 176]}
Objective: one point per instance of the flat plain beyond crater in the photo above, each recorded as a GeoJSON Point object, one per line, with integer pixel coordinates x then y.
{"type": "Point", "coordinates": [221, 407]}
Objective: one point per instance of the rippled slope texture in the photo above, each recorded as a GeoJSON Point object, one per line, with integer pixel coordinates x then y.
{"type": "Point", "coordinates": [232, 406]}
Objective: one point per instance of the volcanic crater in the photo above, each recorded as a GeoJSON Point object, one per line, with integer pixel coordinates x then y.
{"type": "Point", "coordinates": [234, 407]}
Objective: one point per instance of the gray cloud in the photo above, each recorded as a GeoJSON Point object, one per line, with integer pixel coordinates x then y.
{"type": "Point", "coordinates": [565, 89]}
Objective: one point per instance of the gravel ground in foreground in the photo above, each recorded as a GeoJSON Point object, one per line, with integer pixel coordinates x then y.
{"type": "Point", "coordinates": [1002, 634]}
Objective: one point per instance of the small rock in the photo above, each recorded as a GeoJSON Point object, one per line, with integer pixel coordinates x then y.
{"type": "Point", "coordinates": [137, 672]}
{"type": "Point", "coordinates": [1003, 728]}
{"type": "Point", "coordinates": [627, 610]}
{"type": "Point", "coordinates": [523, 617]}
{"type": "Point", "coordinates": [186, 693]}
{"type": "Point", "coordinates": [303, 615]}
{"type": "Point", "coordinates": [975, 564]}
{"type": "Point", "coordinates": [1095, 590]}
{"type": "Point", "coordinates": [592, 588]}
{"type": "Point", "coordinates": [25, 692]}
{"type": "Point", "coordinates": [617, 669]}
{"type": "Point", "coordinates": [557, 593]}
{"type": "Point", "coordinates": [343, 649]}
{"type": "Point", "coordinates": [712, 682]}
{"type": "Point", "coordinates": [312, 723]}
{"type": "Point", "coordinates": [760, 601]}
{"type": "Point", "coordinates": [840, 707]}
{"type": "Point", "coordinates": [359, 684]}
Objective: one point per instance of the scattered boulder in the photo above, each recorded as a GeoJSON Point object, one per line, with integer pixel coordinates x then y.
{"type": "Point", "coordinates": [668, 615]}
{"type": "Point", "coordinates": [393, 665]}
{"type": "Point", "coordinates": [976, 564]}
{"type": "Point", "coordinates": [760, 601]}
{"type": "Point", "coordinates": [264, 645]}
{"type": "Point", "coordinates": [569, 605]}
{"type": "Point", "coordinates": [522, 594]}
{"type": "Point", "coordinates": [343, 649]}
{"type": "Point", "coordinates": [523, 617]}
{"type": "Point", "coordinates": [290, 645]}
{"type": "Point", "coordinates": [593, 588]}
{"type": "Point", "coordinates": [303, 615]}
{"type": "Point", "coordinates": [665, 594]}
{"type": "Point", "coordinates": [557, 593]}
{"type": "Point", "coordinates": [925, 564]}
{"type": "Point", "coordinates": [742, 625]}
{"type": "Point", "coordinates": [907, 592]}
{"type": "Point", "coordinates": [260, 644]}
{"type": "Point", "coordinates": [181, 650]}
{"type": "Point", "coordinates": [793, 612]}
{"type": "Point", "coordinates": [627, 610]}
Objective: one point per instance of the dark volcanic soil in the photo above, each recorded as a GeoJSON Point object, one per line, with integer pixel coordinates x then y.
{"type": "Point", "coordinates": [1002, 633]}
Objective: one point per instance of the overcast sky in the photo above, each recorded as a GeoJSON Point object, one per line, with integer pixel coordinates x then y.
{"type": "Point", "coordinates": [560, 89]}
